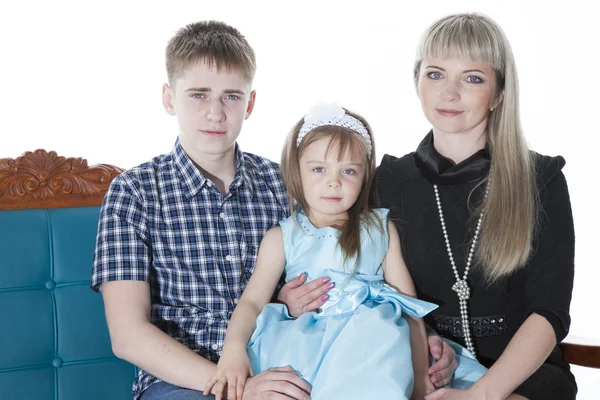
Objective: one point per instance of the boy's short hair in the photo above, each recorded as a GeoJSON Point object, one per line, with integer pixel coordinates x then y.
{"type": "Point", "coordinates": [213, 42]}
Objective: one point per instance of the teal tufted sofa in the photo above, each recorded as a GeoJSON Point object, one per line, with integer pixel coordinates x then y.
{"type": "Point", "coordinates": [54, 342]}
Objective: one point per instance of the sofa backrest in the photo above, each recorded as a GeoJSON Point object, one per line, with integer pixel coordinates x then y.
{"type": "Point", "coordinates": [54, 342]}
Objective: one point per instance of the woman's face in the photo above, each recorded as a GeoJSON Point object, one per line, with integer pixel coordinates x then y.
{"type": "Point", "coordinates": [456, 95]}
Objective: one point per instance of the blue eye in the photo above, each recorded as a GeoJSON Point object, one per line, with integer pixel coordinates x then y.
{"type": "Point", "coordinates": [198, 96]}
{"type": "Point", "coordinates": [318, 169]}
{"type": "Point", "coordinates": [232, 97]}
{"type": "Point", "coordinates": [435, 75]}
{"type": "Point", "coordinates": [474, 79]}
{"type": "Point", "coordinates": [349, 171]}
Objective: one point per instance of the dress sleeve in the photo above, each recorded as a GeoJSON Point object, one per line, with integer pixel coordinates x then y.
{"type": "Point", "coordinates": [384, 195]}
{"type": "Point", "coordinates": [122, 246]}
{"type": "Point", "coordinates": [549, 275]}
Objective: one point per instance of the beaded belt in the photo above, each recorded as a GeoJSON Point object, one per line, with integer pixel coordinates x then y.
{"type": "Point", "coordinates": [494, 325]}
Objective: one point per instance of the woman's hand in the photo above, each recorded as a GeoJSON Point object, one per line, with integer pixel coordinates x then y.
{"type": "Point", "coordinates": [301, 298]}
{"type": "Point", "coordinates": [443, 368]}
{"type": "Point", "coordinates": [230, 377]}
{"type": "Point", "coordinates": [453, 394]}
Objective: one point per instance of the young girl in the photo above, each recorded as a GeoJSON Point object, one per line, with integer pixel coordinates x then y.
{"type": "Point", "coordinates": [359, 345]}
{"type": "Point", "coordinates": [485, 223]}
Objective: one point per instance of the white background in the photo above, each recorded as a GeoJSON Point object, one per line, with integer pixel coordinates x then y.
{"type": "Point", "coordinates": [84, 79]}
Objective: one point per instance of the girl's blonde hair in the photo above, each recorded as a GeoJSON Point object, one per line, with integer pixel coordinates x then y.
{"type": "Point", "coordinates": [344, 140]}
{"type": "Point", "coordinates": [511, 206]}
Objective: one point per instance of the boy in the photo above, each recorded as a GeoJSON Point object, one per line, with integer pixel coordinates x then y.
{"type": "Point", "coordinates": [178, 236]}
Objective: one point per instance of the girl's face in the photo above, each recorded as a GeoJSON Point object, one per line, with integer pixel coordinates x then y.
{"type": "Point", "coordinates": [330, 186]}
{"type": "Point", "coordinates": [456, 95]}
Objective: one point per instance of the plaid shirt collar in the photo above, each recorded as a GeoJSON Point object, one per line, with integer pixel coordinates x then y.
{"type": "Point", "coordinates": [192, 179]}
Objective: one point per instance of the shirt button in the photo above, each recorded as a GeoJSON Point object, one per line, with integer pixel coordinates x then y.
{"type": "Point", "coordinates": [222, 215]}
{"type": "Point", "coordinates": [208, 183]}
{"type": "Point", "coordinates": [228, 257]}
{"type": "Point", "coordinates": [236, 300]}
{"type": "Point", "coordinates": [215, 346]}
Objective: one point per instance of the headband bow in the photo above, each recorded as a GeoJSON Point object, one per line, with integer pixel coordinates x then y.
{"type": "Point", "coordinates": [332, 115]}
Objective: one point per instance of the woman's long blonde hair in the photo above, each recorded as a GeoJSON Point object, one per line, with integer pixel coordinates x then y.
{"type": "Point", "coordinates": [510, 210]}
{"type": "Point", "coordinates": [341, 139]}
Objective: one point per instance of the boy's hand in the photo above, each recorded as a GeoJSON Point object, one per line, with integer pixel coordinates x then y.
{"type": "Point", "coordinates": [230, 378]}
{"type": "Point", "coordinates": [443, 368]}
{"type": "Point", "coordinates": [277, 384]}
{"type": "Point", "coordinates": [301, 298]}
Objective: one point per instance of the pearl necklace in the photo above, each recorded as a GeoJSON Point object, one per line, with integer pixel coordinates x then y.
{"type": "Point", "coordinates": [461, 286]}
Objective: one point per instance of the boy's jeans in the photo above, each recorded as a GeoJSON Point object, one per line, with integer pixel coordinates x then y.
{"type": "Point", "coordinates": [166, 391]}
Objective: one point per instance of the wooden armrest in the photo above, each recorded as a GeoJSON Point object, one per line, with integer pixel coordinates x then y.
{"type": "Point", "coordinates": [581, 351]}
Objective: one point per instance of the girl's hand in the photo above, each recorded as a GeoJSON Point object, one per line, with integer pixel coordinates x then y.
{"type": "Point", "coordinates": [453, 394]}
{"type": "Point", "coordinates": [230, 377]}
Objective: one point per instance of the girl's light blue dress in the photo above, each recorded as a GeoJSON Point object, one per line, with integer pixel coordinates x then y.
{"type": "Point", "coordinates": [358, 345]}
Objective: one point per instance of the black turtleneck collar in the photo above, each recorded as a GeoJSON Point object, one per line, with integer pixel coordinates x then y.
{"type": "Point", "coordinates": [442, 171]}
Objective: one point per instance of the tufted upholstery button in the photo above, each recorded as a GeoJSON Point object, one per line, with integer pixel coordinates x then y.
{"type": "Point", "coordinates": [50, 284]}
{"type": "Point", "coordinates": [57, 362]}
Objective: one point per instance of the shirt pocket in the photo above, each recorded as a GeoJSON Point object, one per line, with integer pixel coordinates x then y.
{"type": "Point", "coordinates": [249, 253]}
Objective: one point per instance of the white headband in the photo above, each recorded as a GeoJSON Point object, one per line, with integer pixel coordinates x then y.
{"type": "Point", "coordinates": [332, 115]}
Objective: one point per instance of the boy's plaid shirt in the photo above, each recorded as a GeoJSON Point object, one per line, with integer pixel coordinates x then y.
{"type": "Point", "coordinates": [164, 223]}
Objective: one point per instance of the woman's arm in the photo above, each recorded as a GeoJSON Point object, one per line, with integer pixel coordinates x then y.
{"type": "Point", "coordinates": [396, 275]}
{"type": "Point", "coordinates": [234, 366]}
{"type": "Point", "coordinates": [525, 353]}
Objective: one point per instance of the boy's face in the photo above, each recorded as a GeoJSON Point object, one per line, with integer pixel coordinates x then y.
{"type": "Point", "coordinates": [210, 107]}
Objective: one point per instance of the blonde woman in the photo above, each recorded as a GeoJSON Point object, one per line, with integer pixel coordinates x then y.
{"type": "Point", "coordinates": [485, 223]}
